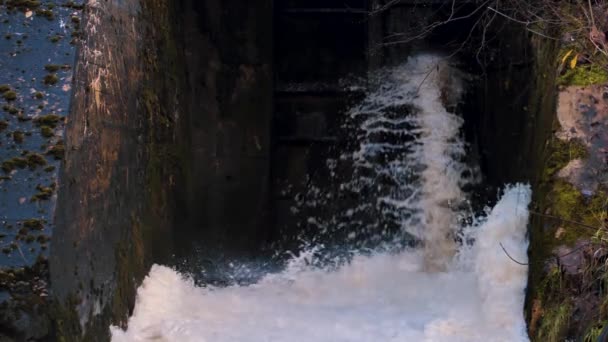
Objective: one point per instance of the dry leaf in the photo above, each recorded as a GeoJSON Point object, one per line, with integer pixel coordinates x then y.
{"type": "Point", "coordinates": [573, 61]}
{"type": "Point", "coordinates": [566, 56]}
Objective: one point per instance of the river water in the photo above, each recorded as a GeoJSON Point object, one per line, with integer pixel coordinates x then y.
{"type": "Point", "coordinates": [456, 284]}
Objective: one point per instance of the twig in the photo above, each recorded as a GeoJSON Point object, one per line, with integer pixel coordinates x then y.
{"type": "Point", "coordinates": [510, 257]}
{"type": "Point", "coordinates": [526, 23]}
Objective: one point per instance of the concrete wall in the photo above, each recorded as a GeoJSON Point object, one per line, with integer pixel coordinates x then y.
{"type": "Point", "coordinates": [228, 48]}
{"type": "Point", "coordinates": [122, 165]}
{"type": "Point", "coordinates": [167, 140]}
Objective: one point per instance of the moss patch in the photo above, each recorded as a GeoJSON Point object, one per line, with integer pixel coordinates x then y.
{"type": "Point", "coordinates": [36, 224]}
{"type": "Point", "coordinates": [13, 163]}
{"type": "Point", "coordinates": [560, 153]}
{"type": "Point", "coordinates": [50, 120]}
{"type": "Point", "coordinates": [57, 150]}
{"type": "Point", "coordinates": [47, 13]}
{"type": "Point", "coordinates": [10, 95]}
{"type": "Point", "coordinates": [50, 79]}
{"type": "Point", "coordinates": [22, 4]}
{"type": "Point", "coordinates": [18, 137]}
{"type": "Point", "coordinates": [34, 160]}
{"type": "Point", "coordinates": [584, 75]}
{"type": "Point", "coordinates": [46, 131]}
{"type": "Point", "coordinates": [44, 193]}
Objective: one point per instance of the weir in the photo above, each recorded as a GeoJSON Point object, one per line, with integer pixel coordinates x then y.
{"type": "Point", "coordinates": [208, 134]}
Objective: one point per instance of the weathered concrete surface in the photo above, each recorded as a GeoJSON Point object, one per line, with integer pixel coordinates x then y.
{"type": "Point", "coordinates": [37, 53]}
{"type": "Point", "coordinates": [121, 165]}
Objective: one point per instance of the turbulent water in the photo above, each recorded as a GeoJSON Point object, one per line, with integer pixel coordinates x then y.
{"type": "Point", "coordinates": [458, 284]}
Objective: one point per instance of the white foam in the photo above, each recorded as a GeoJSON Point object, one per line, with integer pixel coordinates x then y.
{"type": "Point", "coordinates": [375, 298]}
{"type": "Point", "coordinates": [442, 292]}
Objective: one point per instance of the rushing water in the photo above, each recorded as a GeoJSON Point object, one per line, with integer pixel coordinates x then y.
{"type": "Point", "coordinates": [457, 285]}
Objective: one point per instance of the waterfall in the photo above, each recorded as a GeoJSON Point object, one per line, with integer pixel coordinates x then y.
{"type": "Point", "coordinates": [410, 150]}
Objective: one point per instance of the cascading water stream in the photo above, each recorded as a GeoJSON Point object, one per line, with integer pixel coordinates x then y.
{"type": "Point", "coordinates": [440, 290]}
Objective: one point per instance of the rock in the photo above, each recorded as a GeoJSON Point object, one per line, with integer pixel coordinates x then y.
{"type": "Point", "coordinates": [571, 259]}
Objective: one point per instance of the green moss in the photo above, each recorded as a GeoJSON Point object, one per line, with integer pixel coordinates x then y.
{"type": "Point", "coordinates": [3, 125]}
{"type": "Point", "coordinates": [584, 75]}
{"type": "Point", "coordinates": [55, 39]}
{"type": "Point", "coordinates": [13, 163]}
{"type": "Point", "coordinates": [36, 224]}
{"type": "Point", "coordinates": [4, 88]}
{"type": "Point", "coordinates": [34, 160]}
{"type": "Point", "coordinates": [46, 131]}
{"type": "Point", "coordinates": [39, 95]}
{"type": "Point", "coordinates": [560, 153]}
{"type": "Point", "coordinates": [50, 79]}
{"type": "Point", "coordinates": [52, 67]}
{"type": "Point", "coordinates": [73, 5]}
{"type": "Point", "coordinates": [47, 13]}
{"type": "Point", "coordinates": [44, 193]}
{"type": "Point", "coordinates": [565, 200]}
{"type": "Point", "coordinates": [57, 151]}
{"type": "Point", "coordinates": [10, 95]}
{"type": "Point", "coordinates": [18, 137]}
{"type": "Point", "coordinates": [50, 120]}
{"type": "Point", "coordinates": [11, 109]}
{"type": "Point", "coordinates": [43, 238]}
{"type": "Point", "coordinates": [22, 4]}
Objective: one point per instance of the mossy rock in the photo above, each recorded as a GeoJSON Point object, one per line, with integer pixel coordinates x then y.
{"type": "Point", "coordinates": [38, 95]}
{"type": "Point", "coordinates": [3, 125]}
{"type": "Point", "coordinates": [4, 88]}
